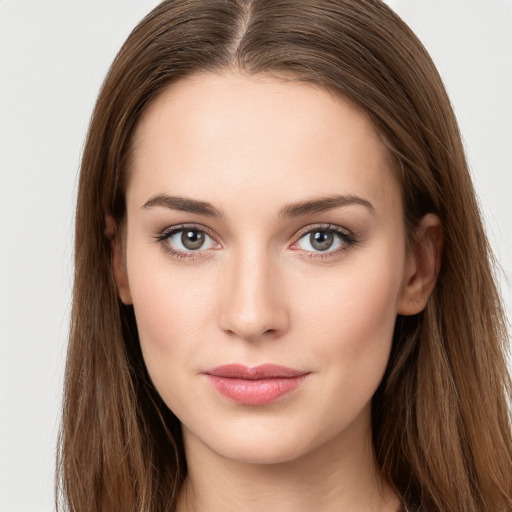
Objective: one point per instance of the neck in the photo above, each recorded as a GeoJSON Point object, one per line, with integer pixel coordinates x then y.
{"type": "Point", "coordinates": [339, 475]}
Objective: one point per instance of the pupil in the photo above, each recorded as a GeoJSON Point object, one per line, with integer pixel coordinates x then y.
{"type": "Point", "coordinates": [321, 240]}
{"type": "Point", "coordinates": [192, 239]}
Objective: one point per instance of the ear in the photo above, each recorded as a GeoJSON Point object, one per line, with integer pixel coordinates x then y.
{"type": "Point", "coordinates": [118, 260]}
{"type": "Point", "coordinates": [423, 265]}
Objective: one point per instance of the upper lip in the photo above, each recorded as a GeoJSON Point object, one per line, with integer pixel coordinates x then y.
{"type": "Point", "coordinates": [263, 371]}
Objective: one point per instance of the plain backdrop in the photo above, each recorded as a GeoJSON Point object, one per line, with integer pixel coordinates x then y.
{"type": "Point", "coordinates": [53, 57]}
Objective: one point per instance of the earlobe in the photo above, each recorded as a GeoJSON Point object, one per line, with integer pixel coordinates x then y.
{"type": "Point", "coordinates": [423, 266]}
{"type": "Point", "coordinates": [118, 262]}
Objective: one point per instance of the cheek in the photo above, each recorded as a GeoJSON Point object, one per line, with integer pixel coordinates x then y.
{"type": "Point", "coordinates": [172, 307]}
{"type": "Point", "coordinates": [350, 322]}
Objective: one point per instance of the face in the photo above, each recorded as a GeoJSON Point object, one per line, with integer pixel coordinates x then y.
{"type": "Point", "coordinates": [265, 259]}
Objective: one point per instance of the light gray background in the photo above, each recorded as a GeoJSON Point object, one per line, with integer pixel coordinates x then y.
{"type": "Point", "coordinates": [53, 57]}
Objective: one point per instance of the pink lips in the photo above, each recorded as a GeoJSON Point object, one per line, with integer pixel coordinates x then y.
{"type": "Point", "coordinates": [257, 385]}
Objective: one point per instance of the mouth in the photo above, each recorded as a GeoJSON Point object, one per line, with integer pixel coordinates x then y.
{"type": "Point", "coordinates": [256, 385]}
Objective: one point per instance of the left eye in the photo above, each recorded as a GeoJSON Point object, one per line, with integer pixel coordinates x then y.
{"type": "Point", "coordinates": [189, 239]}
{"type": "Point", "coordinates": [321, 240]}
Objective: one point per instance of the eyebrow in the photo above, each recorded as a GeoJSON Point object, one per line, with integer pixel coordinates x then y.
{"type": "Point", "coordinates": [301, 208]}
{"type": "Point", "coordinates": [183, 204]}
{"type": "Point", "coordinates": [322, 204]}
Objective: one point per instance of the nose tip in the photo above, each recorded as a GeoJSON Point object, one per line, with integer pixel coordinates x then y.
{"type": "Point", "coordinates": [252, 329]}
{"type": "Point", "coordinates": [254, 308]}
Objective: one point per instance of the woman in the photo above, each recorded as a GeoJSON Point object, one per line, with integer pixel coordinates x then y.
{"type": "Point", "coordinates": [283, 294]}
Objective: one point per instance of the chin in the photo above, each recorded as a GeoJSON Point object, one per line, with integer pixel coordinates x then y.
{"type": "Point", "coordinates": [261, 452]}
{"type": "Point", "coordinates": [262, 442]}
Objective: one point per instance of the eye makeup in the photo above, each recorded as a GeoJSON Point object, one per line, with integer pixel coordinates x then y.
{"type": "Point", "coordinates": [187, 241]}
{"type": "Point", "coordinates": [318, 241]}
{"type": "Point", "coordinates": [324, 240]}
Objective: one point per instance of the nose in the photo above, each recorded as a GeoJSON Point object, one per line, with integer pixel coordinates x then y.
{"type": "Point", "coordinates": [253, 305]}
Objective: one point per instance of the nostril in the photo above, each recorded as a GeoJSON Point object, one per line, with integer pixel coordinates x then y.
{"type": "Point", "coordinates": [264, 327]}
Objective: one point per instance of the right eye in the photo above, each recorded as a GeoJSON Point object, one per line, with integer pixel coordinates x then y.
{"type": "Point", "coordinates": [185, 240]}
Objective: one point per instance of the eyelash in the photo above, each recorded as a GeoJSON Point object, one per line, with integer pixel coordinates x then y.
{"type": "Point", "coordinates": [346, 237]}
{"type": "Point", "coordinates": [164, 236]}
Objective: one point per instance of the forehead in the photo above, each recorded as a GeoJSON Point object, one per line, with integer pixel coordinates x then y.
{"type": "Point", "coordinates": [215, 135]}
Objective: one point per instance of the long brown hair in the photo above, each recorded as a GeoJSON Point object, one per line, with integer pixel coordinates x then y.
{"type": "Point", "coordinates": [441, 422]}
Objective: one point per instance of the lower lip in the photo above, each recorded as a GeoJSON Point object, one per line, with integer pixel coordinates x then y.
{"type": "Point", "coordinates": [255, 392]}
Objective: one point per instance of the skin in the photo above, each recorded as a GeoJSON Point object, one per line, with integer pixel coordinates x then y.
{"type": "Point", "coordinates": [259, 292]}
